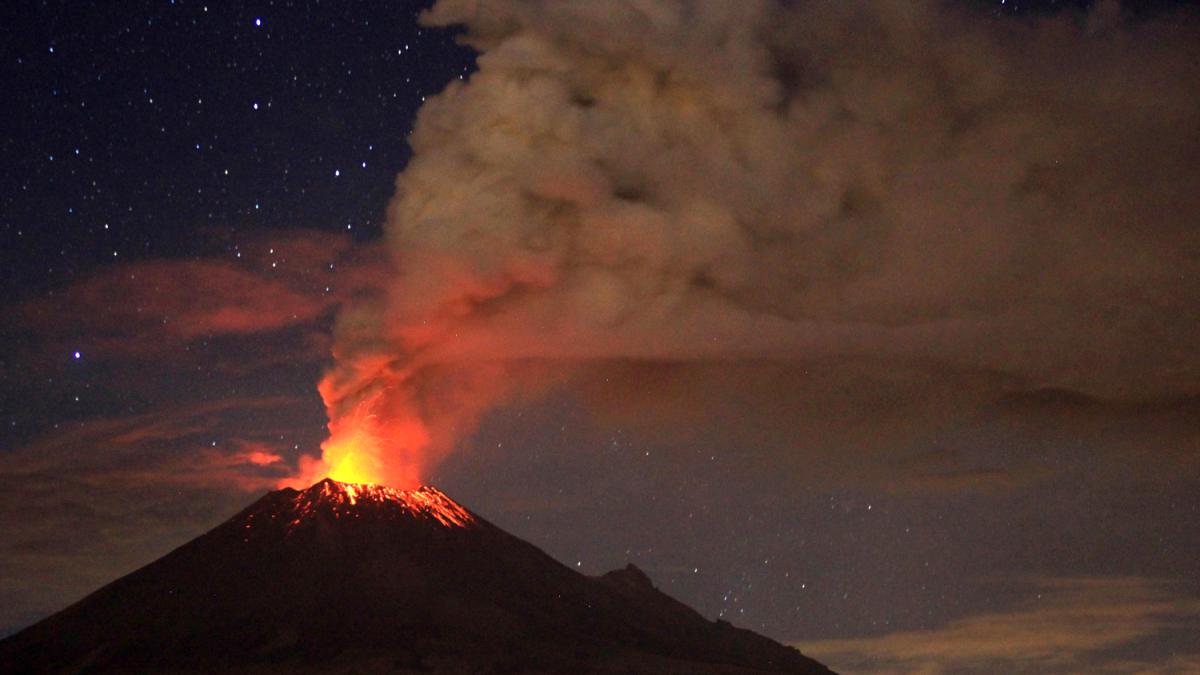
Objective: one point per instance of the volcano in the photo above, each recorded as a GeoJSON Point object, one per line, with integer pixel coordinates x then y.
{"type": "Point", "coordinates": [351, 578]}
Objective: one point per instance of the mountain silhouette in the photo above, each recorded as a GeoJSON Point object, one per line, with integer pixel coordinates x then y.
{"type": "Point", "coordinates": [349, 578]}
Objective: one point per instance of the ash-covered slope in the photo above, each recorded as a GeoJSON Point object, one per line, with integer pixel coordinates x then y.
{"type": "Point", "coordinates": [362, 578]}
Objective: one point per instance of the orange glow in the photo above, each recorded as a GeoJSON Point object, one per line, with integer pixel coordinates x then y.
{"type": "Point", "coordinates": [378, 441]}
{"type": "Point", "coordinates": [260, 458]}
{"type": "Point", "coordinates": [354, 467]}
{"type": "Point", "coordinates": [366, 447]}
{"type": "Point", "coordinates": [349, 499]}
{"type": "Point", "coordinates": [392, 417]}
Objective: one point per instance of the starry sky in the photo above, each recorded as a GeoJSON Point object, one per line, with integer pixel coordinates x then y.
{"type": "Point", "coordinates": [191, 193]}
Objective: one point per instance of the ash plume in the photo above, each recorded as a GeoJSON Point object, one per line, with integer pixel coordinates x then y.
{"type": "Point", "coordinates": [895, 185]}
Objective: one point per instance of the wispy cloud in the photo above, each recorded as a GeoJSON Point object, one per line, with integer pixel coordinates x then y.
{"type": "Point", "coordinates": [276, 282]}
{"type": "Point", "coordinates": [133, 444]}
{"type": "Point", "coordinates": [1066, 626]}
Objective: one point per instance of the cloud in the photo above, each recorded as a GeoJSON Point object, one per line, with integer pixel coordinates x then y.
{"type": "Point", "coordinates": [1064, 626]}
{"type": "Point", "coordinates": [897, 185]}
{"type": "Point", "coordinates": [271, 282]}
{"type": "Point", "coordinates": [1174, 664]}
{"type": "Point", "coordinates": [256, 453]}
{"type": "Point", "coordinates": [169, 446]}
{"type": "Point", "coordinates": [970, 480]}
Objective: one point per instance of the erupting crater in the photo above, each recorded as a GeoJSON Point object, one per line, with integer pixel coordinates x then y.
{"type": "Point", "coordinates": [363, 578]}
{"type": "Point", "coordinates": [353, 500]}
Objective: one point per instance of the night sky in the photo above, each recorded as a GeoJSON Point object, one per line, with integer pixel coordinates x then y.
{"type": "Point", "coordinates": [940, 414]}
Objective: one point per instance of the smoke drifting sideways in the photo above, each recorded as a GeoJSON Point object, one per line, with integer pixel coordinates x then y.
{"type": "Point", "coordinates": [881, 187]}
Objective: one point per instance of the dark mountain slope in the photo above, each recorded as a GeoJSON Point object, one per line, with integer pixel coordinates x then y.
{"type": "Point", "coordinates": [359, 578]}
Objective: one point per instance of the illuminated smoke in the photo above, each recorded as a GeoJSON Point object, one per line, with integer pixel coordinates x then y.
{"type": "Point", "coordinates": [709, 182]}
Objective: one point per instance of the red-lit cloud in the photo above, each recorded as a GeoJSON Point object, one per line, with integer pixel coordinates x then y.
{"type": "Point", "coordinates": [272, 282]}
{"type": "Point", "coordinates": [171, 446]}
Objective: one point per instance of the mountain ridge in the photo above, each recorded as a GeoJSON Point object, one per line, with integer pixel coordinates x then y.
{"type": "Point", "coordinates": [356, 578]}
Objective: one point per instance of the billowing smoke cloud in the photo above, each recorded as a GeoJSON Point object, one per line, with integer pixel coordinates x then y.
{"type": "Point", "coordinates": [709, 182]}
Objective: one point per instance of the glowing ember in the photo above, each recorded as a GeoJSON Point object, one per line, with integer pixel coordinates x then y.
{"type": "Point", "coordinates": [349, 499]}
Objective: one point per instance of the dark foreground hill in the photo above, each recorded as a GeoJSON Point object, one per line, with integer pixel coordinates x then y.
{"type": "Point", "coordinates": [344, 578]}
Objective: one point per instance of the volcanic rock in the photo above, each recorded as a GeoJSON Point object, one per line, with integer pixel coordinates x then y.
{"type": "Point", "coordinates": [348, 578]}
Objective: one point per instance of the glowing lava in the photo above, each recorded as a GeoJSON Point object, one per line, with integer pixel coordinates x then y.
{"type": "Point", "coordinates": [351, 499]}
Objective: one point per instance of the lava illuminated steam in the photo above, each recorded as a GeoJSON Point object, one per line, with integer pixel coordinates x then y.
{"type": "Point", "coordinates": [608, 192]}
{"type": "Point", "coordinates": [368, 446]}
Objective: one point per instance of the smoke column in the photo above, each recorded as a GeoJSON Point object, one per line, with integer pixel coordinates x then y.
{"type": "Point", "coordinates": [709, 182]}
